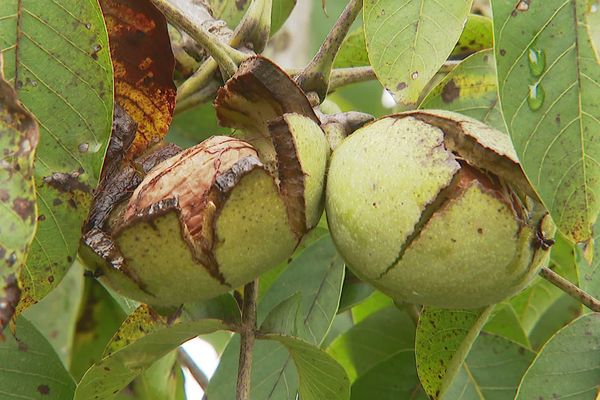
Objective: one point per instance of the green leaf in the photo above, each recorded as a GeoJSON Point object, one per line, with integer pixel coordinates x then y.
{"type": "Point", "coordinates": [321, 377]}
{"type": "Point", "coordinates": [532, 303]}
{"type": "Point", "coordinates": [470, 89]}
{"type": "Point", "coordinates": [492, 370]}
{"type": "Point", "coordinates": [223, 307]}
{"type": "Point", "coordinates": [593, 24]}
{"type": "Point", "coordinates": [354, 292]}
{"type": "Point", "coordinates": [393, 378]}
{"type": "Point", "coordinates": [568, 366]}
{"type": "Point", "coordinates": [548, 78]}
{"type": "Point", "coordinates": [378, 356]}
{"type": "Point", "coordinates": [194, 126]}
{"type": "Point", "coordinates": [443, 340]}
{"type": "Point", "coordinates": [377, 301]}
{"type": "Point", "coordinates": [284, 317]}
{"type": "Point", "coordinates": [56, 54]}
{"type": "Point", "coordinates": [317, 275]}
{"type": "Point", "coordinates": [274, 375]}
{"type": "Point", "coordinates": [159, 381]}
{"type": "Point", "coordinates": [268, 279]}
{"type": "Point", "coordinates": [564, 310]}
{"type": "Point", "coordinates": [504, 322]}
{"type": "Point", "coordinates": [56, 315]}
{"type": "Point", "coordinates": [30, 369]}
{"type": "Point", "coordinates": [353, 52]}
{"type": "Point", "coordinates": [18, 211]}
{"type": "Point", "coordinates": [99, 318]}
{"type": "Point", "coordinates": [589, 274]}
{"type": "Point", "coordinates": [408, 41]}
{"type": "Point", "coordinates": [476, 36]}
{"type": "Point", "coordinates": [232, 11]}
{"type": "Point", "coordinates": [106, 378]}
{"type": "Point", "coordinates": [341, 324]}
{"type": "Point", "coordinates": [375, 339]}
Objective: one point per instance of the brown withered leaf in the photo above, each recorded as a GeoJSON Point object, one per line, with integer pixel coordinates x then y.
{"type": "Point", "coordinates": [143, 65]}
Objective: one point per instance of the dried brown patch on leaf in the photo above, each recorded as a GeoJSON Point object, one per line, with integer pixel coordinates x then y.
{"type": "Point", "coordinates": [450, 92]}
{"type": "Point", "coordinates": [143, 66]}
{"type": "Point", "coordinates": [18, 210]}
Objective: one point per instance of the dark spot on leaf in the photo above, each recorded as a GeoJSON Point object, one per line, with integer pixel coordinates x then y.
{"type": "Point", "coordinates": [557, 119]}
{"type": "Point", "coordinates": [401, 86]}
{"type": "Point", "coordinates": [8, 303]}
{"type": "Point", "coordinates": [72, 203]}
{"type": "Point", "coordinates": [523, 5]}
{"type": "Point", "coordinates": [43, 389]}
{"type": "Point", "coordinates": [67, 182]}
{"type": "Point", "coordinates": [4, 196]}
{"type": "Point", "coordinates": [51, 278]}
{"type": "Point", "coordinates": [23, 207]}
{"type": "Point", "coordinates": [479, 230]}
{"type": "Point", "coordinates": [12, 259]}
{"type": "Point", "coordinates": [450, 92]}
{"type": "Point", "coordinates": [22, 346]}
{"type": "Point", "coordinates": [239, 4]}
{"type": "Point", "coordinates": [57, 202]}
{"type": "Point", "coordinates": [95, 50]}
{"type": "Point", "coordinates": [41, 217]}
{"type": "Point", "coordinates": [502, 52]}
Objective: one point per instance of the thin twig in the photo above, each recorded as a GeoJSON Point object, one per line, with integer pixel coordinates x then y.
{"type": "Point", "coordinates": [254, 28]}
{"type": "Point", "coordinates": [187, 362]}
{"type": "Point", "coordinates": [202, 96]}
{"type": "Point", "coordinates": [247, 336]}
{"type": "Point", "coordinates": [315, 77]}
{"type": "Point", "coordinates": [340, 77]}
{"type": "Point", "coordinates": [347, 76]}
{"type": "Point", "coordinates": [227, 57]}
{"type": "Point", "coordinates": [198, 81]}
{"type": "Point", "coordinates": [578, 294]}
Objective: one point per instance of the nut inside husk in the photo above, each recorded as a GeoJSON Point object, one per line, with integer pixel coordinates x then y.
{"type": "Point", "coordinates": [423, 206]}
{"type": "Point", "coordinates": [217, 215]}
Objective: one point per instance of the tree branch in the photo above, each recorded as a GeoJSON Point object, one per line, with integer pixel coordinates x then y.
{"type": "Point", "coordinates": [227, 57]}
{"type": "Point", "coordinates": [204, 90]}
{"type": "Point", "coordinates": [186, 361]}
{"type": "Point", "coordinates": [247, 335]}
{"type": "Point", "coordinates": [253, 28]}
{"type": "Point", "coordinates": [578, 294]}
{"type": "Point", "coordinates": [201, 15]}
{"type": "Point", "coordinates": [315, 77]}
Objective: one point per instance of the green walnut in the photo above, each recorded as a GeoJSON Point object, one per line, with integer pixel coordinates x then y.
{"type": "Point", "coordinates": [219, 214]}
{"type": "Point", "coordinates": [432, 208]}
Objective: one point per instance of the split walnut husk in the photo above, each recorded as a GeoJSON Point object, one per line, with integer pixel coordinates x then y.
{"type": "Point", "coordinates": [219, 214]}
{"type": "Point", "coordinates": [431, 207]}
